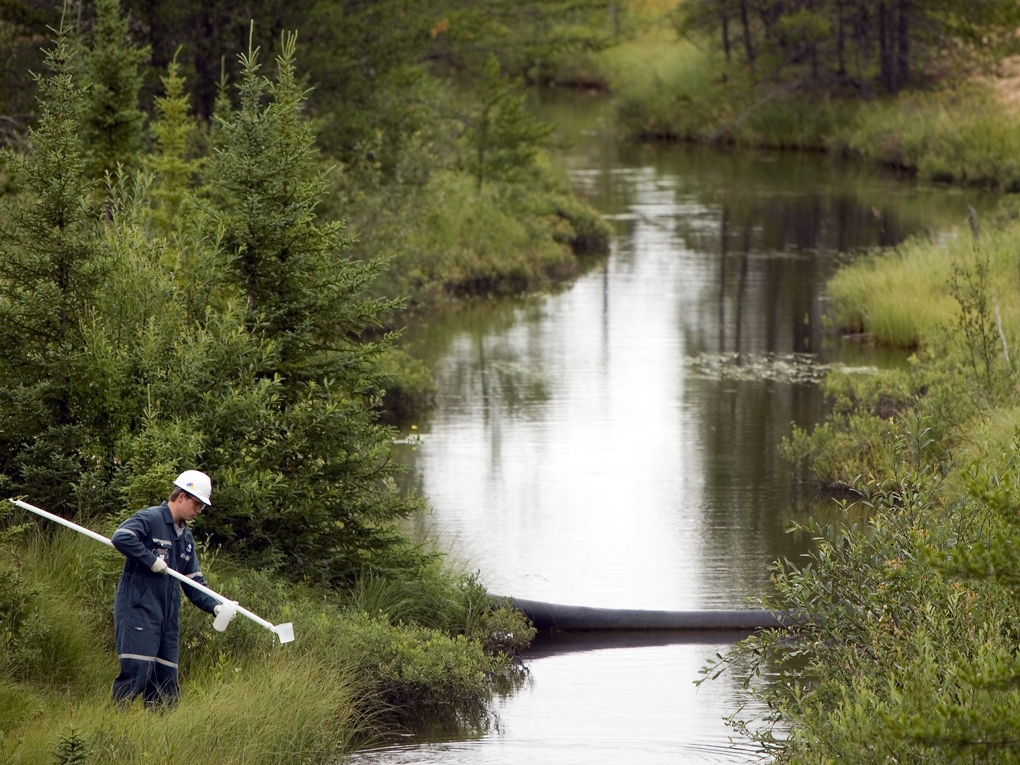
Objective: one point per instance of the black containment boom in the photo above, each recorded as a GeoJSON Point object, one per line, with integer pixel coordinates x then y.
{"type": "Point", "coordinates": [550, 616]}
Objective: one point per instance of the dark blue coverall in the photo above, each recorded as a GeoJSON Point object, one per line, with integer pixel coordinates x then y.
{"type": "Point", "coordinates": [146, 608]}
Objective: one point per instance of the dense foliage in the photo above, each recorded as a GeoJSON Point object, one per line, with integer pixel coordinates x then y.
{"type": "Point", "coordinates": [182, 303]}
{"type": "Point", "coordinates": [865, 45]}
{"type": "Point", "coordinates": [172, 296]}
{"type": "Point", "coordinates": [369, 61]}
{"type": "Point", "coordinates": [229, 335]}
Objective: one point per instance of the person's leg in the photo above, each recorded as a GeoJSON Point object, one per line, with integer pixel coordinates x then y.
{"type": "Point", "coordinates": [163, 687]}
{"type": "Point", "coordinates": [136, 652]}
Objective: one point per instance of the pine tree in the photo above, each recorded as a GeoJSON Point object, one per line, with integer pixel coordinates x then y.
{"type": "Point", "coordinates": [292, 435]}
{"type": "Point", "coordinates": [174, 170]}
{"type": "Point", "coordinates": [113, 122]}
{"type": "Point", "coordinates": [73, 748]}
{"type": "Point", "coordinates": [50, 266]}
{"type": "Point", "coordinates": [503, 138]}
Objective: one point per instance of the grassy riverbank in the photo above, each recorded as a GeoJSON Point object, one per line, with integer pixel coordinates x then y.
{"type": "Point", "coordinates": [203, 304]}
{"type": "Point", "coordinates": [909, 651]}
{"type": "Point", "coordinates": [424, 651]}
{"type": "Point", "coordinates": [962, 130]}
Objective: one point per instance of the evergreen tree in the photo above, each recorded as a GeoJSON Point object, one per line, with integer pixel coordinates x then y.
{"type": "Point", "coordinates": [526, 34]}
{"type": "Point", "coordinates": [503, 138]}
{"type": "Point", "coordinates": [52, 442]}
{"type": "Point", "coordinates": [174, 170]}
{"type": "Point", "coordinates": [73, 748]}
{"type": "Point", "coordinates": [113, 122]}
{"type": "Point", "coordinates": [290, 429]}
{"type": "Point", "coordinates": [370, 89]}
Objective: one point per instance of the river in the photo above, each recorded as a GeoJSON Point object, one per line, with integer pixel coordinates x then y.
{"type": "Point", "coordinates": [615, 444]}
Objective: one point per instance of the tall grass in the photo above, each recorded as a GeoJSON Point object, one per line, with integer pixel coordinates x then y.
{"type": "Point", "coordinates": [666, 88]}
{"type": "Point", "coordinates": [897, 297]}
{"type": "Point", "coordinates": [293, 710]}
{"type": "Point", "coordinates": [680, 89]}
{"type": "Point", "coordinates": [637, 29]}
{"type": "Point", "coordinates": [959, 135]}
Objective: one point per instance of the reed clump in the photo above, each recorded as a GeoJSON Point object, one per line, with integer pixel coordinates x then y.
{"type": "Point", "coordinates": [666, 89]}
{"type": "Point", "coordinates": [905, 297]}
{"type": "Point", "coordinates": [957, 135]}
{"type": "Point", "coordinates": [952, 302]}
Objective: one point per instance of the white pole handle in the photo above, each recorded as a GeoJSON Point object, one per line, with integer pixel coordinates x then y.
{"type": "Point", "coordinates": [283, 631]}
{"type": "Point", "coordinates": [62, 521]}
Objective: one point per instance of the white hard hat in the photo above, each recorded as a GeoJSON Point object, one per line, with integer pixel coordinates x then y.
{"type": "Point", "coordinates": [196, 483]}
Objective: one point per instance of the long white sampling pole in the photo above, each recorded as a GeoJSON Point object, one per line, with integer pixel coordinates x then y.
{"type": "Point", "coordinates": [284, 631]}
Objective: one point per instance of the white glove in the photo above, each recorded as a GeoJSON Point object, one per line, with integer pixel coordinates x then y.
{"type": "Point", "coordinates": [216, 609]}
{"type": "Point", "coordinates": [159, 567]}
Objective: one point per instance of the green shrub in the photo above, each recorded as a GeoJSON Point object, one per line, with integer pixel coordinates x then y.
{"type": "Point", "coordinates": [17, 606]}
{"type": "Point", "coordinates": [502, 630]}
{"type": "Point", "coordinates": [857, 436]}
{"type": "Point", "coordinates": [908, 642]}
{"type": "Point", "coordinates": [455, 606]}
{"type": "Point", "coordinates": [665, 89]}
{"type": "Point", "coordinates": [421, 674]}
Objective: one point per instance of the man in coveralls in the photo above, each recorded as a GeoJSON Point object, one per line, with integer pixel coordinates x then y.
{"type": "Point", "coordinates": [148, 601]}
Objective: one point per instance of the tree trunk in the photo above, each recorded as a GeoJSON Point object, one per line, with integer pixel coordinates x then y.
{"type": "Point", "coordinates": [811, 45]}
{"type": "Point", "coordinates": [748, 44]}
{"type": "Point", "coordinates": [770, 14]}
{"type": "Point", "coordinates": [903, 42]}
{"type": "Point", "coordinates": [886, 48]}
{"type": "Point", "coordinates": [861, 29]}
{"type": "Point", "coordinates": [726, 35]}
{"type": "Point", "coordinates": [840, 42]}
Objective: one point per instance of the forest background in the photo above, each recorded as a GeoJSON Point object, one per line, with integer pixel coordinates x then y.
{"type": "Point", "coordinates": [183, 282]}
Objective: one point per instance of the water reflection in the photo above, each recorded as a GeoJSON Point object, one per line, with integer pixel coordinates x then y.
{"type": "Point", "coordinates": [593, 701]}
{"type": "Point", "coordinates": [574, 458]}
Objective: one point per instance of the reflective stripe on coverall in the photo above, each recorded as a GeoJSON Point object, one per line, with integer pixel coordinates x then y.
{"type": "Point", "coordinates": [145, 611]}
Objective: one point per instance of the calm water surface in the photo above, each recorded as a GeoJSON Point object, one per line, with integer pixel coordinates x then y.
{"type": "Point", "coordinates": [615, 444]}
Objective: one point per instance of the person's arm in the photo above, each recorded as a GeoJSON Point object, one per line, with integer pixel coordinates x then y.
{"type": "Point", "coordinates": [191, 570]}
{"type": "Point", "coordinates": [128, 540]}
